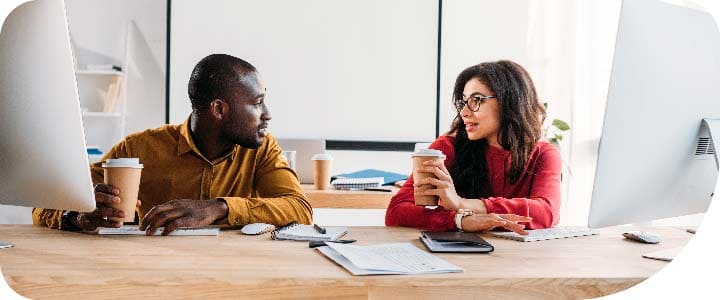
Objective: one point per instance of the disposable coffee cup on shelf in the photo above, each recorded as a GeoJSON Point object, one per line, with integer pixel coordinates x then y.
{"type": "Point", "coordinates": [322, 167]}
{"type": "Point", "coordinates": [124, 174]}
{"type": "Point", "coordinates": [419, 157]}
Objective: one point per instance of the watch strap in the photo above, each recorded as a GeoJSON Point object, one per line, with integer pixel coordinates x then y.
{"type": "Point", "coordinates": [66, 222]}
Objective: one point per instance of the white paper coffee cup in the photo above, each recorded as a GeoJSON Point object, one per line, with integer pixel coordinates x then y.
{"type": "Point", "coordinates": [419, 157]}
{"type": "Point", "coordinates": [122, 163]}
{"type": "Point", "coordinates": [322, 167]}
{"type": "Point", "coordinates": [124, 174]}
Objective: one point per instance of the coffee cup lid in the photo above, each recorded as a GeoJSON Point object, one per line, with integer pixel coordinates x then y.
{"type": "Point", "coordinates": [123, 163]}
{"type": "Point", "coordinates": [428, 152]}
{"type": "Point", "coordinates": [322, 156]}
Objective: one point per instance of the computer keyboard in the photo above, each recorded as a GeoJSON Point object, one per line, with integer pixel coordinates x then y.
{"type": "Point", "coordinates": [547, 234]}
{"type": "Point", "coordinates": [133, 230]}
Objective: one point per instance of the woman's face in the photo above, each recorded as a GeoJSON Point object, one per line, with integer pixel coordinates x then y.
{"type": "Point", "coordinates": [485, 122]}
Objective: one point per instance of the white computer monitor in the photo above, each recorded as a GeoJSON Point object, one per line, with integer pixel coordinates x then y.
{"type": "Point", "coordinates": [43, 159]}
{"type": "Point", "coordinates": [656, 158]}
{"type": "Point", "coordinates": [305, 149]}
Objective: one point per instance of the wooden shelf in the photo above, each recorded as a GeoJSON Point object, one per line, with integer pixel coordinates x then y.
{"type": "Point", "coordinates": [347, 199]}
{"type": "Point", "coordinates": [97, 114]}
{"type": "Point", "coordinates": [98, 72]}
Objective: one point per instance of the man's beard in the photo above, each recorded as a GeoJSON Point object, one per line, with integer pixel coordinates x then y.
{"type": "Point", "coordinates": [248, 140]}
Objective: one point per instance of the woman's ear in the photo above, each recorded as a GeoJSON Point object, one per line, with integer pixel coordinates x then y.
{"type": "Point", "coordinates": [218, 109]}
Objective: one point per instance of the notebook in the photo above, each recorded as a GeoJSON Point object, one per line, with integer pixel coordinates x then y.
{"type": "Point", "coordinates": [388, 177]}
{"type": "Point", "coordinates": [356, 183]}
{"type": "Point", "coordinates": [398, 258]}
{"type": "Point", "coordinates": [302, 232]}
{"type": "Point", "coordinates": [455, 242]}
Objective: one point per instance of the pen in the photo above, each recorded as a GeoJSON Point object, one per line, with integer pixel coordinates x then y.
{"type": "Point", "coordinates": [315, 244]}
{"type": "Point", "coordinates": [378, 189]}
{"type": "Point", "coordinates": [319, 229]}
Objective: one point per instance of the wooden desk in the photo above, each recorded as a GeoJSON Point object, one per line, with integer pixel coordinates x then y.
{"type": "Point", "coordinates": [347, 199]}
{"type": "Point", "coordinates": [53, 264]}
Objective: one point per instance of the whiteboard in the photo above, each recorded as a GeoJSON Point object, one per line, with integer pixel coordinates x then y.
{"type": "Point", "coordinates": [333, 69]}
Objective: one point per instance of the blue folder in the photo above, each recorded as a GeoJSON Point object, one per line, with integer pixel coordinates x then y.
{"type": "Point", "coordinates": [389, 177]}
{"type": "Point", "coordinates": [94, 151]}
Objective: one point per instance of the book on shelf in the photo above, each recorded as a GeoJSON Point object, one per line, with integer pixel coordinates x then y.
{"type": "Point", "coordinates": [93, 150]}
{"type": "Point", "coordinates": [357, 183]}
{"type": "Point", "coordinates": [113, 93]}
{"type": "Point", "coordinates": [103, 67]}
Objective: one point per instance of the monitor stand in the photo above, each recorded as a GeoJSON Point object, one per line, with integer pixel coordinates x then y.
{"type": "Point", "coordinates": [713, 128]}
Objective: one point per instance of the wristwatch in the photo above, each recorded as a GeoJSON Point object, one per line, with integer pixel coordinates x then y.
{"type": "Point", "coordinates": [66, 222]}
{"type": "Point", "coordinates": [461, 213]}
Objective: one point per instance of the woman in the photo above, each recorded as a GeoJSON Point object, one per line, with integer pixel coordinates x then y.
{"type": "Point", "coordinates": [497, 173]}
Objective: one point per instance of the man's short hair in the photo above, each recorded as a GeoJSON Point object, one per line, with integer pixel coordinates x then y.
{"type": "Point", "coordinates": [213, 76]}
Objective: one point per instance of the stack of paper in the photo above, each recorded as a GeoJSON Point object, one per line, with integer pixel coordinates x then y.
{"type": "Point", "coordinates": [400, 258]}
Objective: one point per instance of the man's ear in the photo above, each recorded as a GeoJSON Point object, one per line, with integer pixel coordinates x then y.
{"type": "Point", "coordinates": [219, 109]}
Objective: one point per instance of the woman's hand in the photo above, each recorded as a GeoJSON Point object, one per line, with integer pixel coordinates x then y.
{"type": "Point", "coordinates": [482, 222]}
{"type": "Point", "coordinates": [444, 187]}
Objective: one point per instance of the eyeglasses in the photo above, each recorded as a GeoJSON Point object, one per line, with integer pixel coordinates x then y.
{"type": "Point", "coordinates": [473, 102]}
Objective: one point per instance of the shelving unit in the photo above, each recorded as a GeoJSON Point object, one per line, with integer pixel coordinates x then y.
{"type": "Point", "coordinates": [98, 72]}
{"type": "Point", "coordinates": [93, 114]}
{"type": "Point", "coordinates": [103, 98]}
{"type": "Point", "coordinates": [104, 124]}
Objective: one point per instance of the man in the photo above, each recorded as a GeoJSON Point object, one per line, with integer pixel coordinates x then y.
{"type": "Point", "coordinates": [220, 166]}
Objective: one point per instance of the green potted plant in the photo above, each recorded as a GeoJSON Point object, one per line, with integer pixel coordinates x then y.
{"type": "Point", "coordinates": [554, 130]}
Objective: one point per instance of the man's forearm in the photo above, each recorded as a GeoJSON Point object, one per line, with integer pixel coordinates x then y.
{"type": "Point", "coordinates": [222, 211]}
{"type": "Point", "coordinates": [273, 210]}
{"type": "Point", "coordinates": [51, 218]}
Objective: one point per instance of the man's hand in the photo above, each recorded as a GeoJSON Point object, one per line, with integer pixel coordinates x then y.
{"type": "Point", "coordinates": [183, 213]}
{"type": "Point", "coordinates": [105, 195]}
{"type": "Point", "coordinates": [481, 222]}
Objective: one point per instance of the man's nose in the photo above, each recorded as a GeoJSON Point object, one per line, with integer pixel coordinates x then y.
{"type": "Point", "coordinates": [265, 115]}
